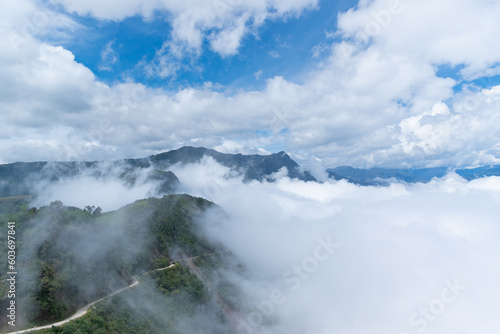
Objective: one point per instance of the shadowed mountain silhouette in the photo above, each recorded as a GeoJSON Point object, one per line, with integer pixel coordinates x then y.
{"type": "Point", "coordinates": [18, 178]}
{"type": "Point", "coordinates": [382, 176]}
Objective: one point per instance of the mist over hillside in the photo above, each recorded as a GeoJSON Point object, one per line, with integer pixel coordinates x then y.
{"type": "Point", "coordinates": [122, 181]}
{"type": "Point", "coordinates": [339, 257]}
{"type": "Point", "coordinates": [285, 255]}
{"type": "Point", "coordinates": [69, 257]}
{"type": "Point", "coordinates": [116, 183]}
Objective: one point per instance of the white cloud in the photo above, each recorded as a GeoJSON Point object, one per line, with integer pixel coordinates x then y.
{"type": "Point", "coordinates": [448, 32]}
{"type": "Point", "coordinates": [106, 184]}
{"type": "Point", "coordinates": [223, 22]}
{"type": "Point", "coordinates": [274, 54]}
{"type": "Point", "coordinates": [168, 60]}
{"type": "Point", "coordinates": [398, 248]}
{"type": "Point", "coordinates": [23, 21]}
{"type": "Point", "coordinates": [227, 42]}
{"type": "Point", "coordinates": [232, 147]}
{"type": "Point", "coordinates": [365, 104]}
{"type": "Point", "coordinates": [258, 74]}
{"type": "Point", "coordinates": [108, 194]}
{"type": "Point", "coordinates": [459, 134]}
{"type": "Point", "coordinates": [109, 57]}
{"type": "Point", "coordinates": [344, 257]}
{"type": "Point", "coordinates": [320, 50]}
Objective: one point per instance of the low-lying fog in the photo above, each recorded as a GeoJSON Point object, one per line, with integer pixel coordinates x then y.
{"type": "Point", "coordinates": [340, 258]}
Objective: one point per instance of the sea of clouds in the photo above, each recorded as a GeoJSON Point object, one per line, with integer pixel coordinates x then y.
{"type": "Point", "coordinates": [335, 257]}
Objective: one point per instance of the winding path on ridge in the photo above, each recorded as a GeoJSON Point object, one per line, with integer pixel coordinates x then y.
{"type": "Point", "coordinates": [82, 311]}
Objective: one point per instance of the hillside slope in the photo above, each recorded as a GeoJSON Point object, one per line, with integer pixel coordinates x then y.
{"type": "Point", "coordinates": [69, 257]}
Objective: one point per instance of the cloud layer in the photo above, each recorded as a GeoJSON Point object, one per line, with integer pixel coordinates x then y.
{"type": "Point", "coordinates": [374, 97]}
{"type": "Point", "coordinates": [336, 257]}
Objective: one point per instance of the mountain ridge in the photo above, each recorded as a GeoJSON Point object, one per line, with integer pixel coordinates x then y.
{"type": "Point", "coordinates": [383, 176]}
{"type": "Point", "coordinates": [16, 179]}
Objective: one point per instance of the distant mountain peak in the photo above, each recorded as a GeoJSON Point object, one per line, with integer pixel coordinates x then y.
{"type": "Point", "coordinates": [383, 176]}
{"type": "Point", "coordinates": [255, 166]}
{"type": "Point", "coordinates": [14, 177]}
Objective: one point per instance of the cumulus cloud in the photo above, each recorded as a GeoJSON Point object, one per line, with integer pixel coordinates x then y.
{"type": "Point", "coordinates": [368, 102]}
{"type": "Point", "coordinates": [448, 32]}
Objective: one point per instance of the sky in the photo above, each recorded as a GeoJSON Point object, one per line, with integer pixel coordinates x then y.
{"type": "Point", "coordinates": [398, 83]}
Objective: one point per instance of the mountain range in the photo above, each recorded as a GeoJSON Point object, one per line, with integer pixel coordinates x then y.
{"type": "Point", "coordinates": [147, 267]}
{"type": "Point", "coordinates": [18, 179]}
{"type": "Point", "coordinates": [381, 176]}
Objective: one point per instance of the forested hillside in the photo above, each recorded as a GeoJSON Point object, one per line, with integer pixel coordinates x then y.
{"type": "Point", "coordinates": [69, 257]}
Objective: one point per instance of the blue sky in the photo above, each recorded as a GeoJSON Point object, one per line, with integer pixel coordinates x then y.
{"type": "Point", "coordinates": [279, 48]}
{"type": "Point", "coordinates": [385, 83]}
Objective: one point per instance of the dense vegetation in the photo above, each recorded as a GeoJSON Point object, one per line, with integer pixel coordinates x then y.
{"type": "Point", "coordinates": [14, 204]}
{"type": "Point", "coordinates": [169, 301]}
{"type": "Point", "coordinates": [68, 257]}
{"type": "Point", "coordinates": [213, 267]}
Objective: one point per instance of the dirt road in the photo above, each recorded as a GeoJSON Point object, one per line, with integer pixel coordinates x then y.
{"type": "Point", "coordinates": [81, 312]}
